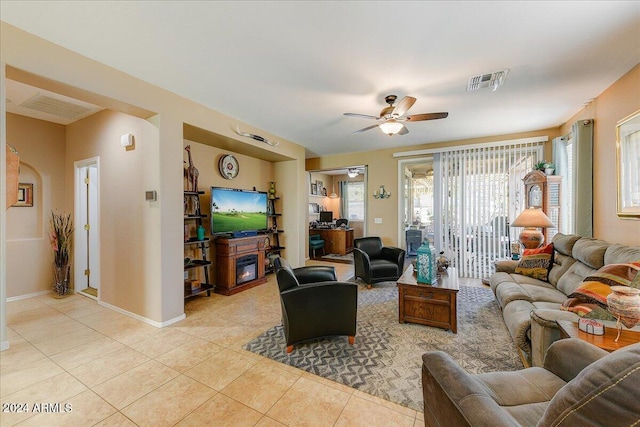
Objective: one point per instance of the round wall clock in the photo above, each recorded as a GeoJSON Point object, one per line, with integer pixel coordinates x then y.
{"type": "Point", "coordinates": [228, 166]}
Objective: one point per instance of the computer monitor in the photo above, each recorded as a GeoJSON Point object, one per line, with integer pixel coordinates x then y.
{"type": "Point", "coordinates": [326, 217]}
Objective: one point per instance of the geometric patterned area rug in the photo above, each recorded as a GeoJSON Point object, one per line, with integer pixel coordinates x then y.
{"type": "Point", "coordinates": [386, 359]}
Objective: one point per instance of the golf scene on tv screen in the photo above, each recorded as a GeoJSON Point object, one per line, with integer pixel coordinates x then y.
{"type": "Point", "coordinates": [237, 210]}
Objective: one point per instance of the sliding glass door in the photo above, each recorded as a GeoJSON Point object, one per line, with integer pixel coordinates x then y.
{"type": "Point", "coordinates": [465, 202]}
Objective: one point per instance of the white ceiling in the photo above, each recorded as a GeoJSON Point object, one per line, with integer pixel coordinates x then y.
{"type": "Point", "coordinates": [293, 68]}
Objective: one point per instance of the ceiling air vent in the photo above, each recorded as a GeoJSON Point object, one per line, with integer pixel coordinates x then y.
{"type": "Point", "coordinates": [57, 107]}
{"type": "Point", "coordinates": [493, 81]}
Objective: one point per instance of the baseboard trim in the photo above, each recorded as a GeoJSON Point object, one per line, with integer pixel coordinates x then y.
{"type": "Point", "coordinates": [142, 318]}
{"type": "Point", "coordinates": [107, 305]}
{"type": "Point", "coordinates": [4, 345]}
{"type": "Point", "coordinates": [34, 294]}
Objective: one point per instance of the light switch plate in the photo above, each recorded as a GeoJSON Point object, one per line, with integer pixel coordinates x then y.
{"type": "Point", "coordinates": [377, 220]}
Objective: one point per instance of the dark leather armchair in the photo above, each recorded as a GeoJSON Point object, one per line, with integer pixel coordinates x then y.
{"type": "Point", "coordinates": [376, 263]}
{"type": "Point", "coordinates": [314, 303]}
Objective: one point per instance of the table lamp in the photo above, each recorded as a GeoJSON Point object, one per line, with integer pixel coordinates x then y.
{"type": "Point", "coordinates": [532, 219]}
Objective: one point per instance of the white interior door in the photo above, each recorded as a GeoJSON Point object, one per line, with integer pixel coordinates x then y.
{"type": "Point", "coordinates": [87, 236]}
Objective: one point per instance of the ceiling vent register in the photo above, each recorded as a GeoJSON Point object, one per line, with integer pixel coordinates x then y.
{"type": "Point", "coordinates": [492, 81]}
{"type": "Point", "coordinates": [57, 107]}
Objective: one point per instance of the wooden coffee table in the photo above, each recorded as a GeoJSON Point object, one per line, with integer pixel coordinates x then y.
{"type": "Point", "coordinates": [607, 342]}
{"type": "Point", "coordinates": [431, 305]}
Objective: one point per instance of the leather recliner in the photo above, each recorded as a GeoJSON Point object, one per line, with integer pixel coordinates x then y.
{"type": "Point", "coordinates": [314, 304]}
{"type": "Point", "coordinates": [375, 263]}
{"type": "Point", "coordinates": [578, 385]}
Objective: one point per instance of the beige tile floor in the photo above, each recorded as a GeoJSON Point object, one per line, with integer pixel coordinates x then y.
{"type": "Point", "coordinates": [108, 369]}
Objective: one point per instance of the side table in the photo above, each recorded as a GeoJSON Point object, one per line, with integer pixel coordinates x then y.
{"type": "Point", "coordinates": [606, 342]}
{"type": "Point", "coordinates": [431, 305]}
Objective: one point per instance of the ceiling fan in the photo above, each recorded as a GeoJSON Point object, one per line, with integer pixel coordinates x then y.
{"type": "Point", "coordinates": [392, 118]}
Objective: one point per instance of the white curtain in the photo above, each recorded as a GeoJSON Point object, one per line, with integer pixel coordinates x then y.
{"type": "Point", "coordinates": [481, 194]}
{"type": "Point", "coordinates": [560, 158]}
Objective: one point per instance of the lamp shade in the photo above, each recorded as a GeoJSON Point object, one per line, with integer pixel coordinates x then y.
{"type": "Point", "coordinates": [532, 217]}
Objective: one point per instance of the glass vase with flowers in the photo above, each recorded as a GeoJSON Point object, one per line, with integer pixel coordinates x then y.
{"type": "Point", "coordinates": [61, 238]}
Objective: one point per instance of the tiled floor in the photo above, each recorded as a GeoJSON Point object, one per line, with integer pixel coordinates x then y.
{"type": "Point", "coordinates": [107, 369]}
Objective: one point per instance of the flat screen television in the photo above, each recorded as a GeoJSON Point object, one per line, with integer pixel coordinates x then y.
{"type": "Point", "coordinates": [326, 217]}
{"type": "Point", "coordinates": [236, 211]}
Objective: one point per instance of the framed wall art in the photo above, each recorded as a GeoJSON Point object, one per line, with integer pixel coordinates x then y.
{"type": "Point", "coordinates": [628, 166]}
{"type": "Point", "coordinates": [25, 195]}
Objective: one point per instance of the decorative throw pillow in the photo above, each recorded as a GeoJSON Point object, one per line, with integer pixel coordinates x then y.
{"type": "Point", "coordinates": [588, 310]}
{"type": "Point", "coordinates": [536, 263]}
{"type": "Point", "coordinates": [624, 274]}
{"type": "Point", "coordinates": [589, 300]}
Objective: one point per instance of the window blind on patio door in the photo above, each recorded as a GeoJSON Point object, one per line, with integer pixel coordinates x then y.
{"type": "Point", "coordinates": [481, 194]}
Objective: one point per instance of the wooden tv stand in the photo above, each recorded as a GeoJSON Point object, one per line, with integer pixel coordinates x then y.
{"type": "Point", "coordinates": [231, 251]}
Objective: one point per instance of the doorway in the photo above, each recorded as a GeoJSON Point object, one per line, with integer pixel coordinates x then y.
{"type": "Point", "coordinates": [345, 196]}
{"type": "Point", "coordinates": [87, 236]}
{"type": "Point", "coordinates": [418, 204]}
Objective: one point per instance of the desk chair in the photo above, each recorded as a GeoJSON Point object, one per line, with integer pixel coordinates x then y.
{"type": "Point", "coordinates": [316, 242]}
{"type": "Point", "coordinates": [342, 221]}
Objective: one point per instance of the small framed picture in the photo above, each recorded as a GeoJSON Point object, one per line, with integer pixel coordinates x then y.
{"type": "Point", "coordinates": [314, 188]}
{"type": "Point", "coordinates": [319, 184]}
{"type": "Point", "coordinates": [25, 195]}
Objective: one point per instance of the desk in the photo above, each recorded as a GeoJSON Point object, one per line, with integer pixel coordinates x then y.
{"type": "Point", "coordinates": [336, 240]}
{"type": "Point", "coordinates": [431, 305]}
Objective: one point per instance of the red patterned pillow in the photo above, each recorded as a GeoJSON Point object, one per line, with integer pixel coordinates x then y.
{"type": "Point", "coordinates": [536, 263]}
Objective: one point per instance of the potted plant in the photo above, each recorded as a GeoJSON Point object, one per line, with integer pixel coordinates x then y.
{"type": "Point", "coordinates": [549, 168]}
{"type": "Point", "coordinates": [61, 238]}
{"type": "Point", "coordinates": [539, 166]}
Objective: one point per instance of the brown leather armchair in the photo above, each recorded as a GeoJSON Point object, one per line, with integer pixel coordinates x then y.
{"type": "Point", "coordinates": [314, 304]}
{"type": "Point", "coordinates": [375, 263]}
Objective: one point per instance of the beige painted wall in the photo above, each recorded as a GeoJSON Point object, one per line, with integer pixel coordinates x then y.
{"type": "Point", "coordinates": [41, 146]}
{"type": "Point", "coordinates": [157, 284]}
{"type": "Point", "coordinates": [617, 102]}
{"type": "Point", "coordinates": [128, 242]}
{"type": "Point", "coordinates": [382, 169]}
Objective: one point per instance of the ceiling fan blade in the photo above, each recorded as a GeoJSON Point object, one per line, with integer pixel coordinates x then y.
{"type": "Point", "coordinates": [428, 116]}
{"type": "Point", "coordinates": [403, 131]}
{"type": "Point", "coordinates": [362, 116]}
{"type": "Point", "coordinates": [367, 128]}
{"type": "Point", "coordinates": [403, 106]}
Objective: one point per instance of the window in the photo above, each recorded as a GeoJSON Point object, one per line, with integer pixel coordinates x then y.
{"type": "Point", "coordinates": [354, 201]}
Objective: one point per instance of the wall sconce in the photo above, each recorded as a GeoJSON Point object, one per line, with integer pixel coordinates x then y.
{"type": "Point", "coordinates": [381, 193]}
{"type": "Point", "coordinates": [127, 140]}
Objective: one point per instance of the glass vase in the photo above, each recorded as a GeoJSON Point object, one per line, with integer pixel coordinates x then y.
{"type": "Point", "coordinates": [61, 277]}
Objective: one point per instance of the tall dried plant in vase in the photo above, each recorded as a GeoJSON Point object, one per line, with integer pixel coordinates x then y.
{"type": "Point", "coordinates": [61, 238]}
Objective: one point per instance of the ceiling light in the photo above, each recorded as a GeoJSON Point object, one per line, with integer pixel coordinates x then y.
{"type": "Point", "coordinates": [391, 127]}
{"type": "Point", "coordinates": [352, 173]}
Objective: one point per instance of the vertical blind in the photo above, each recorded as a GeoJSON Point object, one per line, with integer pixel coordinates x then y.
{"type": "Point", "coordinates": [482, 193]}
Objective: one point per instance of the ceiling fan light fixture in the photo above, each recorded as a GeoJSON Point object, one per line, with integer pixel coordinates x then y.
{"type": "Point", "coordinates": [352, 173]}
{"type": "Point", "coordinates": [391, 127]}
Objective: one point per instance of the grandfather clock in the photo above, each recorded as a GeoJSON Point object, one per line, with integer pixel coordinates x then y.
{"type": "Point", "coordinates": [545, 192]}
